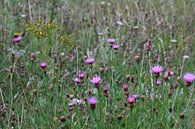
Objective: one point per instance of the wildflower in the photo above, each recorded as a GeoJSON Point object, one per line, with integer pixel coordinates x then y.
{"type": "Point", "coordinates": [168, 74]}
{"type": "Point", "coordinates": [189, 78]}
{"type": "Point", "coordinates": [43, 65]}
{"type": "Point", "coordinates": [32, 56]}
{"type": "Point", "coordinates": [82, 74]}
{"type": "Point", "coordinates": [89, 61]}
{"type": "Point", "coordinates": [92, 102]}
{"type": "Point", "coordinates": [77, 81]}
{"type": "Point", "coordinates": [17, 38]}
{"type": "Point", "coordinates": [156, 70]}
{"type": "Point", "coordinates": [106, 91]}
{"type": "Point", "coordinates": [115, 46]}
{"type": "Point", "coordinates": [131, 99]}
{"type": "Point", "coordinates": [111, 41]}
{"type": "Point", "coordinates": [171, 73]}
{"type": "Point", "coordinates": [158, 82]}
{"type": "Point", "coordinates": [125, 87]}
{"type": "Point", "coordinates": [95, 80]}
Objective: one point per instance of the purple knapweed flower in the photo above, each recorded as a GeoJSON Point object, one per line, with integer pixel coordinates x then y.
{"type": "Point", "coordinates": [77, 81]}
{"type": "Point", "coordinates": [111, 41]}
{"type": "Point", "coordinates": [115, 46]}
{"type": "Point", "coordinates": [92, 102]}
{"type": "Point", "coordinates": [82, 74]}
{"type": "Point", "coordinates": [89, 61]}
{"type": "Point", "coordinates": [131, 99]}
{"type": "Point", "coordinates": [43, 65]}
{"type": "Point", "coordinates": [106, 91]}
{"type": "Point", "coordinates": [125, 87]}
{"type": "Point", "coordinates": [171, 73]}
{"type": "Point", "coordinates": [189, 78]}
{"type": "Point", "coordinates": [168, 74]}
{"type": "Point", "coordinates": [95, 80]}
{"type": "Point", "coordinates": [158, 82]}
{"type": "Point", "coordinates": [17, 39]}
{"type": "Point", "coordinates": [156, 70]}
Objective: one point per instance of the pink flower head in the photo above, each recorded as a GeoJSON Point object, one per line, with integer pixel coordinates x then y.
{"type": "Point", "coordinates": [43, 65]}
{"type": "Point", "coordinates": [77, 81]}
{"type": "Point", "coordinates": [82, 74]}
{"type": "Point", "coordinates": [115, 46]}
{"type": "Point", "coordinates": [171, 73]}
{"type": "Point", "coordinates": [189, 78]}
{"type": "Point", "coordinates": [111, 41]}
{"type": "Point", "coordinates": [106, 90]}
{"type": "Point", "coordinates": [125, 87]}
{"type": "Point", "coordinates": [158, 82]}
{"type": "Point", "coordinates": [168, 74]}
{"type": "Point", "coordinates": [95, 80]}
{"type": "Point", "coordinates": [89, 61]}
{"type": "Point", "coordinates": [17, 39]}
{"type": "Point", "coordinates": [92, 102]}
{"type": "Point", "coordinates": [131, 99]}
{"type": "Point", "coordinates": [157, 70]}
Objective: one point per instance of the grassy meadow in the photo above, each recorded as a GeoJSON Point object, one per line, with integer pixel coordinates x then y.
{"type": "Point", "coordinates": [90, 64]}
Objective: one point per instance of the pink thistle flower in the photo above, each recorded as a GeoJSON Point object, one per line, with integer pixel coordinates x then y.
{"type": "Point", "coordinates": [17, 39]}
{"type": "Point", "coordinates": [82, 74]}
{"type": "Point", "coordinates": [77, 81]}
{"type": "Point", "coordinates": [189, 78]}
{"type": "Point", "coordinates": [92, 102]}
{"type": "Point", "coordinates": [43, 65]}
{"type": "Point", "coordinates": [95, 80]}
{"type": "Point", "coordinates": [106, 91]}
{"type": "Point", "coordinates": [125, 87]}
{"type": "Point", "coordinates": [168, 74]}
{"type": "Point", "coordinates": [111, 41]}
{"type": "Point", "coordinates": [89, 61]}
{"type": "Point", "coordinates": [158, 82]}
{"type": "Point", "coordinates": [157, 70]}
{"type": "Point", "coordinates": [171, 73]}
{"type": "Point", "coordinates": [131, 99]}
{"type": "Point", "coordinates": [115, 46]}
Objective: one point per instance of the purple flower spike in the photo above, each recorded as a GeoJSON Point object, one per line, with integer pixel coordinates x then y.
{"type": "Point", "coordinates": [189, 78]}
{"type": "Point", "coordinates": [92, 102]}
{"type": "Point", "coordinates": [156, 70]}
{"type": "Point", "coordinates": [43, 65]}
{"type": "Point", "coordinates": [89, 61]}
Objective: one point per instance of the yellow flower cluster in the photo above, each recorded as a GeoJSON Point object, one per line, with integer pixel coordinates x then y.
{"type": "Point", "coordinates": [18, 34]}
{"type": "Point", "coordinates": [40, 29]}
{"type": "Point", "coordinates": [69, 42]}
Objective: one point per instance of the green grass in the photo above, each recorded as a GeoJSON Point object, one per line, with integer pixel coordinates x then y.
{"type": "Point", "coordinates": [34, 98]}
